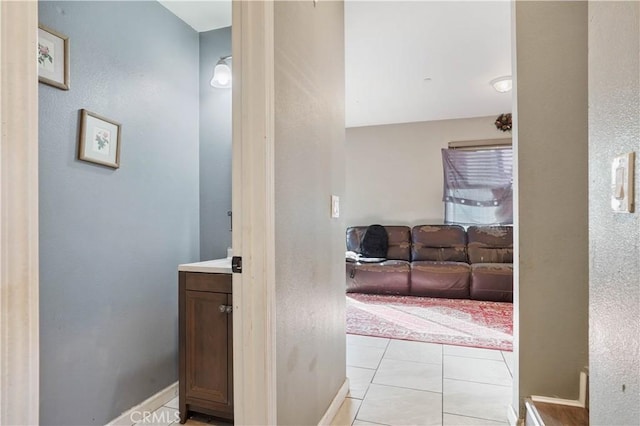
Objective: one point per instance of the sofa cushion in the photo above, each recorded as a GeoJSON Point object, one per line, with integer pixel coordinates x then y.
{"type": "Point", "coordinates": [439, 243]}
{"type": "Point", "coordinates": [440, 279]}
{"type": "Point", "coordinates": [389, 277]}
{"type": "Point", "coordinates": [492, 281]}
{"type": "Point", "coordinates": [399, 241]}
{"type": "Point", "coordinates": [490, 244]}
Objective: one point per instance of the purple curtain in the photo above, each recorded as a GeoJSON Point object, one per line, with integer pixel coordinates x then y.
{"type": "Point", "coordinates": [478, 186]}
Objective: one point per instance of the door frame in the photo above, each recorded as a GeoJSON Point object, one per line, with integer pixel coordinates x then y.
{"type": "Point", "coordinates": [253, 194]}
{"type": "Point", "coordinates": [253, 200]}
{"type": "Point", "coordinates": [19, 286]}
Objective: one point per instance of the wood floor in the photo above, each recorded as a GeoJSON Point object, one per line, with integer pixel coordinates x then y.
{"type": "Point", "coordinates": [545, 414]}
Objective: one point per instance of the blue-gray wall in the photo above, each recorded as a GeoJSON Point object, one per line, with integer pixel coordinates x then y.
{"type": "Point", "coordinates": [111, 240]}
{"type": "Point", "coordinates": [215, 149]}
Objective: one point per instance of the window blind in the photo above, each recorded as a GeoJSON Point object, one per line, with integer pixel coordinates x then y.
{"type": "Point", "coordinates": [478, 186]}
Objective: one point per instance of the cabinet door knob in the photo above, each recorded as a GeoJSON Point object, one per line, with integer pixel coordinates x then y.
{"type": "Point", "coordinates": [225, 309]}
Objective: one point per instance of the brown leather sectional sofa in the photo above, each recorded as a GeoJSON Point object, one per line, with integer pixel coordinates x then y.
{"type": "Point", "coordinates": [438, 261]}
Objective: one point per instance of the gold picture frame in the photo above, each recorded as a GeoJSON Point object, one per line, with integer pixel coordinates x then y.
{"type": "Point", "coordinates": [99, 140]}
{"type": "Point", "coordinates": [52, 69]}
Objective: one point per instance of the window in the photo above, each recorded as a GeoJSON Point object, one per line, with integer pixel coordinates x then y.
{"type": "Point", "coordinates": [478, 186]}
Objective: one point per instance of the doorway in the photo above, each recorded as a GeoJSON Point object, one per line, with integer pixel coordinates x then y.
{"type": "Point", "coordinates": [403, 107]}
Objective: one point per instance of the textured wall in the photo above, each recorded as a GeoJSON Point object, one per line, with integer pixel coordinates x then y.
{"type": "Point", "coordinates": [551, 239]}
{"type": "Point", "coordinates": [309, 167]}
{"type": "Point", "coordinates": [394, 173]}
{"type": "Point", "coordinates": [111, 240]}
{"type": "Point", "coordinates": [614, 296]}
{"type": "Point", "coordinates": [215, 149]}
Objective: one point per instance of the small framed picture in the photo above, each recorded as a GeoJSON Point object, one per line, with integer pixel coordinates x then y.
{"type": "Point", "coordinates": [53, 58]}
{"type": "Point", "coordinates": [99, 140]}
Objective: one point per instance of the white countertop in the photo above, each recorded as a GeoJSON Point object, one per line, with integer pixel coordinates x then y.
{"type": "Point", "coordinates": [217, 266]}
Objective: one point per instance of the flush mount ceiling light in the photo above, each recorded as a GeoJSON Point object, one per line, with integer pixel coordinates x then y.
{"type": "Point", "coordinates": [502, 84]}
{"type": "Point", "coordinates": [222, 74]}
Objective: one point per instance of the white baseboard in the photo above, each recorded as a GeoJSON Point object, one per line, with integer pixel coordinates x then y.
{"type": "Point", "coordinates": [148, 405]}
{"type": "Point", "coordinates": [559, 401]}
{"type": "Point", "coordinates": [581, 402]}
{"type": "Point", "coordinates": [512, 416]}
{"type": "Point", "coordinates": [584, 388]}
{"type": "Point", "coordinates": [335, 404]}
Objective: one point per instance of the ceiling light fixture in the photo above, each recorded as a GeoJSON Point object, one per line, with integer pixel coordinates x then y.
{"type": "Point", "coordinates": [502, 84]}
{"type": "Point", "coordinates": [222, 74]}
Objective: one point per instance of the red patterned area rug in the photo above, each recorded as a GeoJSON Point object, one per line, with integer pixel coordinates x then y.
{"type": "Point", "coordinates": [450, 321]}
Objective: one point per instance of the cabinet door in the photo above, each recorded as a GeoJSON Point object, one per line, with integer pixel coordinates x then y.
{"type": "Point", "coordinates": [207, 355]}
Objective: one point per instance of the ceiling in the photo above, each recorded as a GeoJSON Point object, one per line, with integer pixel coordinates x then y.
{"type": "Point", "coordinates": [423, 61]}
{"type": "Point", "coordinates": [201, 15]}
{"type": "Point", "coordinates": [408, 61]}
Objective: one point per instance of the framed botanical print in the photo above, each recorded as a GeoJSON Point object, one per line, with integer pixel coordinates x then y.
{"type": "Point", "coordinates": [53, 58]}
{"type": "Point", "coordinates": [99, 140]}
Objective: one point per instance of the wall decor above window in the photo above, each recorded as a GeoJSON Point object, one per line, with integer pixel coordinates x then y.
{"type": "Point", "coordinates": [99, 140]}
{"type": "Point", "coordinates": [53, 58]}
{"type": "Point", "coordinates": [503, 122]}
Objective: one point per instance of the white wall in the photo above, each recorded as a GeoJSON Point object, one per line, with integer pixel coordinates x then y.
{"type": "Point", "coordinates": [394, 171]}
{"type": "Point", "coordinates": [614, 296]}
{"type": "Point", "coordinates": [309, 244]}
{"type": "Point", "coordinates": [551, 238]}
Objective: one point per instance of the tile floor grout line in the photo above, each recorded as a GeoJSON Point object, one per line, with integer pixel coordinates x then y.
{"type": "Point", "coordinates": [380, 362]}
{"type": "Point", "coordinates": [401, 387]}
{"type": "Point", "coordinates": [480, 383]}
{"type": "Point", "coordinates": [366, 391]}
{"type": "Point", "coordinates": [472, 417]}
{"type": "Point", "coordinates": [409, 360]}
{"type": "Point", "coordinates": [507, 364]}
{"type": "Point", "coordinates": [404, 387]}
{"type": "Point", "coordinates": [371, 382]}
{"type": "Point", "coordinates": [357, 411]}
{"type": "Point", "coordinates": [364, 368]}
{"type": "Point", "coordinates": [373, 423]}
{"type": "Point", "coordinates": [471, 357]}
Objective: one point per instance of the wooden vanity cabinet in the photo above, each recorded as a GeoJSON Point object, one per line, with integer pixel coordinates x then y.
{"type": "Point", "coordinates": [206, 346]}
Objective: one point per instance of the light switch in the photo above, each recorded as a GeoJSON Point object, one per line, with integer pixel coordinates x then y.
{"type": "Point", "coordinates": [622, 170]}
{"type": "Point", "coordinates": [335, 206]}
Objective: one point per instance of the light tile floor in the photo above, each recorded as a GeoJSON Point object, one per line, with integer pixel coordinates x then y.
{"type": "Point", "coordinates": [398, 382]}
